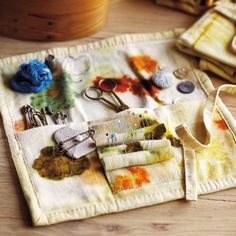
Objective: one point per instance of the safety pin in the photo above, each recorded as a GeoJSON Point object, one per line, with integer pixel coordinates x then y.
{"type": "Point", "coordinates": [36, 114]}
{"type": "Point", "coordinates": [48, 111]}
{"type": "Point", "coordinates": [61, 116]}
{"type": "Point", "coordinates": [59, 150]}
{"type": "Point", "coordinates": [32, 114]}
{"type": "Point", "coordinates": [24, 111]}
{"type": "Point", "coordinates": [90, 134]}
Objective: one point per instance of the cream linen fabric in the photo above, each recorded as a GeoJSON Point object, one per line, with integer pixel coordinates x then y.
{"type": "Point", "coordinates": [194, 7]}
{"type": "Point", "coordinates": [90, 194]}
{"type": "Point", "coordinates": [212, 38]}
{"type": "Point", "coordinates": [153, 151]}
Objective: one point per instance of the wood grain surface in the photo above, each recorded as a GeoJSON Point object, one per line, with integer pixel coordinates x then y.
{"type": "Point", "coordinates": [213, 214]}
{"type": "Point", "coordinates": [48, 20]}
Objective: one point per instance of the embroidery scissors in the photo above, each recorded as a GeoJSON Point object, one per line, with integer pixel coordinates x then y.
{"type": "Point", "coordinates": [108, 86]}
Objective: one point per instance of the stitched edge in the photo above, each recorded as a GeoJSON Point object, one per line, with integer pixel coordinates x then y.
{"type": "Point", "coordinates": [119, 40]}
{"type": "Point", "coordinates": [20, 165]}
{"type": "Point", "coordinates": [102, 208]}
{"type": "Point", "coordinates": [29, 193]}
{"type": "Point", "coordinates": [216, 185]}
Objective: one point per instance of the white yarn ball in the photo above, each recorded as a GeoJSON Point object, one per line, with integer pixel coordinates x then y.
{"type": "Point", "coordinates": [163, 78]}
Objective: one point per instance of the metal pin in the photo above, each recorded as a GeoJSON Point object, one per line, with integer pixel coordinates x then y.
{"type": "Point", "coordinates": [50, 61]}
{"type": "Point", "coordinates": [59, 116]}
{"type": "Point", "coordinates": [120, 131]}
{"type": "Point", "coordinates": [50, 113]}
{"type": "Point", "coordinates": [57, 149]}
{"type": "Point", "coordinates": [38, 119]}
{"type": "Point", "coordinates": [44, 112]}
{"type": "Point", "coordinates": [24, 111]}
{"type": "Point", "coordinates": [90, 134]}
{"type": "Point", "coordinates": [113, 138]}
{"type": "Point", "coordinates": [32, 119]}
{"type": "Point", "coordinates": [107, 138]}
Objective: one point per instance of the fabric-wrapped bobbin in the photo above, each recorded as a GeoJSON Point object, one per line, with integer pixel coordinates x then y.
{"type": "Point", "coordinates": [163, 78]}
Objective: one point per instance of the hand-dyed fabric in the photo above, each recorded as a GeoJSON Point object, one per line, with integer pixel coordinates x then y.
{"type": "Point", "coordinates": [212, 38]}
{"type": "Point", "coordinates": [58, 188]}
{"type": "Point", "coordinates": [194, 7]}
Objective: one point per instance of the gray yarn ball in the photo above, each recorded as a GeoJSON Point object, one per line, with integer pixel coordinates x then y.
{"type": "Point", "coordinates": [163, 78]}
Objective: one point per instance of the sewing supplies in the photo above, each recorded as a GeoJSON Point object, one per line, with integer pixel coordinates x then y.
{"type": "Point", "coordinates": [47, 111]}
{"type": "Point", "coordinates": [32, 77]}
{"type": "Point", "coordinates": [34, 118]}
{"type": "Point", "coordinates": [186, 87]}
{"type": "Point", "coordinates": [181, 73]}
{"type": "Point", "coordinates": [130, 129]}
{"type": "Point", "coordinates": [108, 86]}
{"type": "Point", "coordinates": [51, 63]}
{"type": "Point", "coordinates": [74, 143]}
{"type": "Point", "coordinates": [163, 78]}
{"type": "Point", "coordinates": [77, 67]}
{"type": "Point", "coordinates": [61, 117]}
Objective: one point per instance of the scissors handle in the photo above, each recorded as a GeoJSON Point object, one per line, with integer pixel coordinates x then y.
{"type": "Point", "coordinates": [112, 105]}
{"type": "Point", "coordinates": [122, 106]}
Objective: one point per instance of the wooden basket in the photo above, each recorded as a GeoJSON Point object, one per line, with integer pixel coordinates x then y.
{"type": "Point", "coordinates": [51, 20]}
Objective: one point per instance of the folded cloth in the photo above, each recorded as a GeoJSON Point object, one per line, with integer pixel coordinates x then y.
{"type": "Point", "coordinates": [228, 73]}
{"type": "Point", "coordinates": [136, 153]}
{"type": "Point", "coordinates": [194, 7]}
{"type": "Point", "coordinates": [132, 139]}
{"type": "Point", "coordinates": [212, 38]}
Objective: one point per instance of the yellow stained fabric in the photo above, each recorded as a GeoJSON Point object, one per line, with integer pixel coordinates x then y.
{"type": "Point", "coordinates": [212, 38]}
{"type": "Point", "coordinates": [183, 131]}
{"type": "Point", "coordinates": [89, 194]}
{"type": "Point", "coordinates": [153, 151]}
{"type": "Point", "coordinates": [194, 7]}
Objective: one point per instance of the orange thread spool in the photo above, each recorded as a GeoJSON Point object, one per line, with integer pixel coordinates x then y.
{"type": "Point", "coordinates": [51, 20]}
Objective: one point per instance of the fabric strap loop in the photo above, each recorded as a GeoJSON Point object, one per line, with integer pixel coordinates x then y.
{"type": "Point", "coordinates": [184, 132]}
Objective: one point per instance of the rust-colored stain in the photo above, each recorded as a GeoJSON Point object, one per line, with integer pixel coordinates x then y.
{"type": "Point", "coordinates": [122, 182]}
{"type": "Point", "coordinates": [53, 92]}
{"type": "Point", "coordinates": [135, 86]}
{"type": "Point", "coordinates": [221, 124]}
{"type": "Point", "coordinates": [19, 125]}
{"type": "Point", "coordinates": [139, 176]}
{"type": "Point", "coordinates": [144, 62]}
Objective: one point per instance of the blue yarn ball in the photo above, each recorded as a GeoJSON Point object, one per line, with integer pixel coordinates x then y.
{"type": "Point", "coordinates": [32, 77]}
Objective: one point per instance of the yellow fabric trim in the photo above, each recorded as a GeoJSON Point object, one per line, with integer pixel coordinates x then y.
{"type": "Point", "coordinates": [190, 174]}
{"type": "Point", "coordinates": [183, 132]}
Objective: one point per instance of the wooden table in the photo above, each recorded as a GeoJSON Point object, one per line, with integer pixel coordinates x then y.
{"type": "Point", "coordinates": [213, 214]}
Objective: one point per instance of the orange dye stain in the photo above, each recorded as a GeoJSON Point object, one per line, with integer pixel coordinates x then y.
{"type": "Point", "coordinates": [122, 182]}
{"type": "Point", "coordinates": [127, 84]}
{"type": "Point", "coordinates": [19, 125]}
{"type": "Point", "coordinates": [221, 124]}
{"type": "Point", "coordinates": [53, 92]}
{"type": "Point", "coordinates": [145, 63]}
{"type": "Point", "coordinates": [140, 175]}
